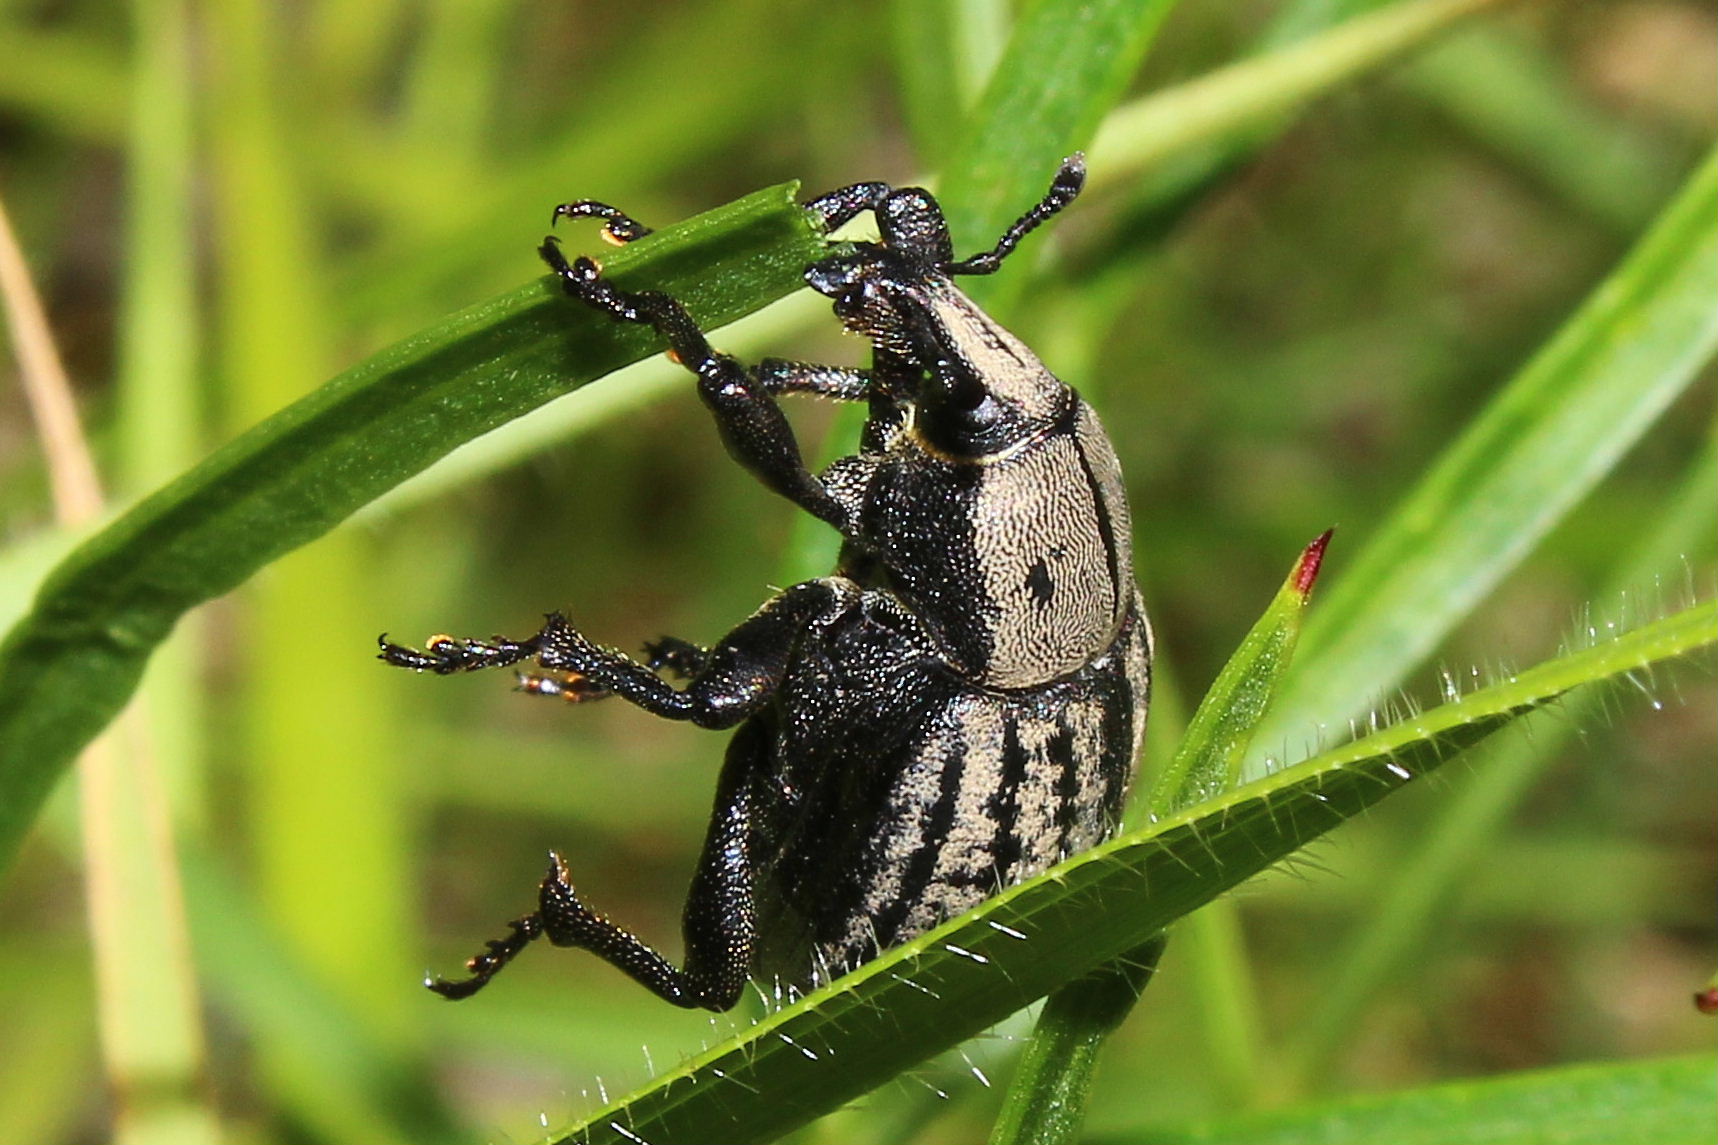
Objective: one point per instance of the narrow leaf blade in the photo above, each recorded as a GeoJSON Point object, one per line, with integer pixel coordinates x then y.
{"type": "Point", "coordinates": [1531, 455]}
{"type": "Point", "coordinates": [74, 660]}
{"type": "Point", "coordinates": [1208, 762]}
{"type": "Point", "coordinates": [946, 986]}
{"type": "Point", "coordinates": [1663, 1102]}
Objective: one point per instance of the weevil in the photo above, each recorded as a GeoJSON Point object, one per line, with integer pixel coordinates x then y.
{"type": "Point", "coordinates": [955, 707]}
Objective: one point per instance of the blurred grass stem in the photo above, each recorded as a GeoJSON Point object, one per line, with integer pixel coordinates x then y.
{"type": "Point", "coordinates": [1249, 97]}
{"type": "Point", "coordinates": [151, 1034]}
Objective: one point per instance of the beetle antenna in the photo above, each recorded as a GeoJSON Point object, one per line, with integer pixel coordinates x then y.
{"type": "Point", "coordinates": [1070, 177]}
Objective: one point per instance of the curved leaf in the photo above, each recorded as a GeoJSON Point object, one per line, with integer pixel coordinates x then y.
{"type": "Point", "coordinates": [74, 660]}
{"type": "Point", "coordinates": [1063, 69]}
{"type": "Point", "coordinates": [1536, 449]}
{"type": "Point", "coordinates": [948, 985]}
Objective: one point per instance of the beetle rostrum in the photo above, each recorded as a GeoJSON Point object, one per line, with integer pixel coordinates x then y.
{"type": "Point", "coordinates": [957, 706]}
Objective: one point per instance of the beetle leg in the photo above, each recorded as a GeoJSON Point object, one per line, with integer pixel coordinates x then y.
{"type": "Point", "coordinates": [836, 208]}
{"type": "Point", "coordinates": [444, 655]}
{"type": "Point", "coordinates": [720, 921]}
{"type": "Point", "coordinates": [839, 383]}
{"type": "Point", "coordinates": [752, 425]}
{"type": "Point", "coordinates": [671, 654]}
{"type": "Point", "coordinates": [727, 683]}
{"type": "Point", "coordinates": [619, 227]}
{"type": "Point", "coordinates": [736, 678]}
{"type": "Point", "coordinates": [497, 952]}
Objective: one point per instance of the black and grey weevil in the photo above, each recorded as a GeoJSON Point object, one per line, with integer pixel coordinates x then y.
{"type": "Point", "coordinates": [956, 707]}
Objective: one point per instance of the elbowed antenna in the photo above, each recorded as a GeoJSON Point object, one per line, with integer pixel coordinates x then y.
{"type": "Point", "coordinates": [1064, 189]}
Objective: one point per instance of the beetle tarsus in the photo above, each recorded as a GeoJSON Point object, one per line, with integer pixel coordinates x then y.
{"type": "Point", "coordinates": [836, 208]}
{"type": "Point", "coordinates": [445, 655]}
{"type": "Point", "coordinates": [497, 953]}
{"type": "Point", "coordinates": [619, 227]}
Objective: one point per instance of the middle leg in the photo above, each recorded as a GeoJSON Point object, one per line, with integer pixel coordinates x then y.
{"type": "Point", "coordinates": [731, 681]}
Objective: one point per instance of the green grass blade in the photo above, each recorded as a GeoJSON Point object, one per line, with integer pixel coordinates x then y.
{"type": "Point", "coordinates": [944, 52]}
{"type": "Point", "coordinates": [1179, 137]}
{"type": "Point", "coordinates": [159, 411]}
{"type": "Point", "coordinates": [148, 1001]}
{"type": "Point", "coordinates": [611, 399]}
{"type": "Point", "coordinates": [1533, 452]}
{"type": "Point", "coordinates": [324, 807]}
{"type": "Point", "coordinates": [1208, 762]}
{"type": "Point", "coordinates": [24, 562]}
{"type": "Point", "coordinates": [450, 92]}
{"type": "Point", "coordinates": [1508, 93]}
{"type": "Point", "coordinates": [961, 978]}
{"type": "Point", "coordinates": [1062, 71]}
{"type": "Point", "coordinates": [159, 415]}
{"type": "Point", "coordinates": [1212, 945]}
{"type": "Point", "coordinates": [1046, 1101]}
{"type": "Point", "coordinates": [71, 663]}
{"type": "Point", "coordinates": [147, 1006]}
{"type": "Point", "coordinates": [1434, 872]}
{"type": "Point", "coordinates": [1668, 1101]}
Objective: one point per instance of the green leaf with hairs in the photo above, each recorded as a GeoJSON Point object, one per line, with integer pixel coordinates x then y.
{"type": "Point", "coordinates": [948, 985]}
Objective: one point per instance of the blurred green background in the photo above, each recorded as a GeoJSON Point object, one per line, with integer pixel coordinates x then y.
{"type": "Point", "coordinates": [225, 203]}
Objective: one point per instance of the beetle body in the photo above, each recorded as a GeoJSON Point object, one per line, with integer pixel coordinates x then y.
{"type": "Point", "coordinates": [956, 707]}
{"type": "Point", "coordinates": [904, 800]}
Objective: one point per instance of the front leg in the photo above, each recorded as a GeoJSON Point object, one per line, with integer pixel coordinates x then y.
{"type": "Point", "coordinates": [752, 425]}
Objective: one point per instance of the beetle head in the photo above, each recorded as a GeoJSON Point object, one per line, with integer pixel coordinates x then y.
{"type": "Point", "coordinates": [878, 289]}
{"type": "Point", "coordinates": [979, 389]}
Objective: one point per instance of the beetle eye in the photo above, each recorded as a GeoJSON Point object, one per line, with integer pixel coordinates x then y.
{"type": "Point", "coordinates": [973, 400]}
{"type": "Point", "coordinates": [980, 413]}
{"type": "Point", "coordinates": [962, 393]}
{"type": "Point", "coordinates": [969, 423]}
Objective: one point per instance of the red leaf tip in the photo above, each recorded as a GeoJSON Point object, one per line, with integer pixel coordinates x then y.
{"type": "Point", "coordinates": [1706, 1001]}
{"type": "Point", "coordinates": [1306, 572]}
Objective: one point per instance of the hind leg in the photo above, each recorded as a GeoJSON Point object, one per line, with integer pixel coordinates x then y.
{"type": "Point", "coordinates": [720, 920]}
